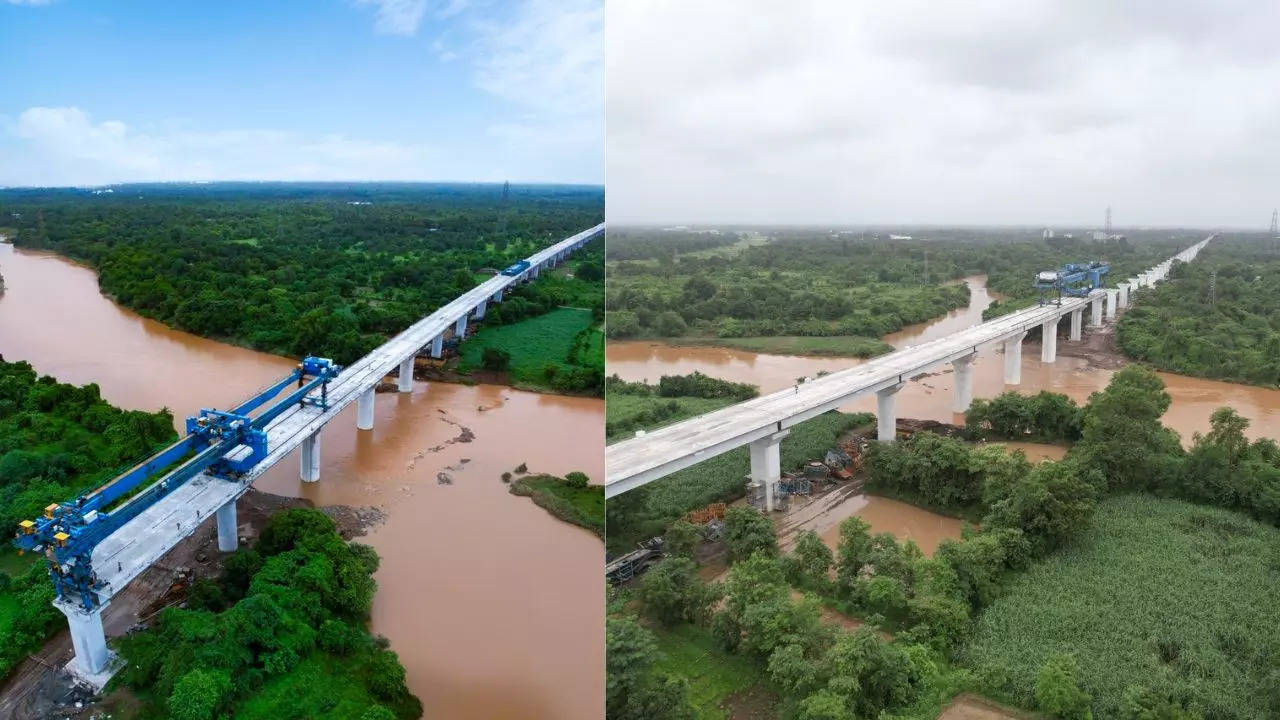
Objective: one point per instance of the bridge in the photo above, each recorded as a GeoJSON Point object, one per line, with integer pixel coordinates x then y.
{"type": "Point", "coordinates": [136, 545]}
{"type": "Point", "coordinates": [762, 423]}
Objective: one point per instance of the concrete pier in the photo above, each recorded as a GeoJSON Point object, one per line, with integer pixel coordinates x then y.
{"type": "Point", "coordinates": [364, 410]}
{"type": "Point", "coordinates": [766, 465]}
{"type": "Point", "coordinates": [1049, 340]}
{"type": "Point", "coordinates": [497, 297]}
{"type": "Point", "coordinates": [1095, 311]}
{"type": "Point", "coordinates": [1013, 359]}
{"type": "Point", "coordinates": [887, 413]}
{"type": "Point", "coordinates": [404, 383]}
{"type": "Point", "coordinates": [1077, 321]}
{"type": "Point", "coordinates": [228, 531]}
{"type": "Point", "coordinates": [481, 308]}
{"type": "Point", "coordinates": [309, 458]}
{"type": "Point", "coordinates": [437, 347]}
{"type": "Point", "coordinates": [92, 658]}
{"type": "Point", "coordinates": [964, 383]}
{"type": "Point", "coordinates": [1113, 296]}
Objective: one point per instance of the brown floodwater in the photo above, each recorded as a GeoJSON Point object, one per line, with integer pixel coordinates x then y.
{"type": "Point", "coordinates": [495, 608]}
{"type": "Point", "coordinates": [930, 396]}
{"type": "Point", "coordinates": [823, 514]}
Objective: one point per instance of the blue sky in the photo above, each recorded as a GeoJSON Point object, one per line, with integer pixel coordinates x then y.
{"type": "Point", "coordinates": [98, 91]}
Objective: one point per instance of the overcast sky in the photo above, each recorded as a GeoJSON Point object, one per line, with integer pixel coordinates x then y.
{"type": "Point", "coordinates": [1027, 112]}
{"type": "Point", "coordinates": [107, 91]}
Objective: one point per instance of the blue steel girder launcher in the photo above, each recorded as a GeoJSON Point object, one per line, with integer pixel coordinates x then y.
{"type": "Point", "coordinates": [222, 443]}
{"type": "Point", "coordinates": [1072, 280]}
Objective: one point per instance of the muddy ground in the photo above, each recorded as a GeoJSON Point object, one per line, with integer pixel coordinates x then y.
{"type": "Point", "coordinates": [1098, 346]}
{"type": "Point", "coordinates": [39, 689]}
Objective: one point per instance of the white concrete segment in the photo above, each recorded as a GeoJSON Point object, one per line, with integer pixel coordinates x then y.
{"type": "Point", "coordinates": [140, 542]}
{"type": "Point", "coordinates": [228, 528]}
{"type": "Point", "coordinates": [645, 458]}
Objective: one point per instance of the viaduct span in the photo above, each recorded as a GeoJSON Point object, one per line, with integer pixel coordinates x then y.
{"type": "Point", "coordinates": [763, 422]}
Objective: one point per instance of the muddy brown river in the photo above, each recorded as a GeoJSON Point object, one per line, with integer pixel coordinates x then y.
{"type": "Point", "coordinates": [495, 608]}
{"type": "Point", "coordinates": [930, 397]}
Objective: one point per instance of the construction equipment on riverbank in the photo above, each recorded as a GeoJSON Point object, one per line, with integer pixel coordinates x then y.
{"type": "Point", "coordinates": [1072, 280]}
{"type": "Point", "coordinates": [636, 562]}
{"type": "Point", "coordinates": [702, 516]}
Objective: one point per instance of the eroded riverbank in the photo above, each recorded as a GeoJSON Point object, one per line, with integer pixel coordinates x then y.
{"type": "Point", "coordinates": [490, 602]}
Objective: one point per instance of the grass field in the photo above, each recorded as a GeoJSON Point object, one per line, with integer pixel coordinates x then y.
{"type": "Point", "coordinates": [624, 414]}
{"type": "Point", "coordinates": [1155, 593]}
{"type": "Point", "coordinates": [533, 344]}
{"type": "Point", "coordinates": [832, 346]}
{"type": "Point", "coordinates": [714, 675]}
{"type": "Point", "coordinates": [581, 506]}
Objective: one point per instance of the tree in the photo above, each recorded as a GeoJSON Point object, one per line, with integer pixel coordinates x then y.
{"type": "Point", "coordinates": [1058, 691]}
{"type": "Point", "coordinates": [812, 560]}
{"type": "Point", "coordinates": [825, 705]}
{"type": "Point", "coordinates": [682, 538]}
{"type": "Point", "coordinates": [853, 550]}
{"type": "Point", "coordinates": [495, 359]}
{"type": "Point", "coordinates": [199, 694]}
{"type": "Point", "coordinates": [1141, 703]}
{"type": "Point", "coordinates": [1123, 436]}
{"type": "Point", "coordinates": [747, 531]}
{"type": "Point", "coordinates": [634, 689]}
{"type": "Point", "coordinates": [577, 480]}
{"type": "Point", "coordinates": [1048, 505]}
{"type": "Point", "coordinates": [670, 324]}
{"type": "Point", "coordinates": [673, 592]}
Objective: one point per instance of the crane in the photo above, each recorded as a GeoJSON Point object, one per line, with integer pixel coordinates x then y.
{"type": "Point", "coordinates": [1072, 280]}
{"type": "Point", "coordinates": [222, 443]}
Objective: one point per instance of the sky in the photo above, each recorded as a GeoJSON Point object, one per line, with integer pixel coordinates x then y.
{"type": "Point", "coordinates": [95, 92]}
{"type": "Point", "coordinates": [917, 111]}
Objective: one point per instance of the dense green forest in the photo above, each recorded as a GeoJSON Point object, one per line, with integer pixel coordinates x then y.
{"type": "Point", "coordinates": [295, 269]}
{"type": "Point", "coordinates": [281, 633]}
{"type": "Point", "coordinates": [1217, 317]}
{"type": "Point", "coordinates": [56, 440]}
{"type": "Point", "coordinates": [811, 283]}
{"type": "Point", "coordinates": [1011, 610]}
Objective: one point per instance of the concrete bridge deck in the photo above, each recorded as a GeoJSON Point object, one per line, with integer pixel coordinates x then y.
{"type": "Point", "coordinates": [763, 421]}
{"type": "Point", "coordinates": [142, 541]}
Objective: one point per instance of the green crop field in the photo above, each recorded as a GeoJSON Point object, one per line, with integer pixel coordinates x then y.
{"type": "Point", "coordinates": [1156, 593]}
{"type": "Point", "coordinates": [624, 414]}
{"type": "Point", "coordinates": [533, 344]}
{"type": "Point", "coordinates": [714, 675]}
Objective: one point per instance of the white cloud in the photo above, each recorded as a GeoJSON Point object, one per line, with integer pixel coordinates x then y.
{"type": "Point", "coordinates": [1039, 111]}
{"type": "Point", "coordinates": [65, 146]}
{"type": "Point", "coordinates": [398, 17]}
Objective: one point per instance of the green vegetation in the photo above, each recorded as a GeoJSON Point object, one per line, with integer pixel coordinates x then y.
{"type": "Point", "coordinates": [571, 499]}
{"type": "Point", "coordinates": [1235, 335]}
{"type": "Point", "coordinates": [1043, 417]}
{"type": "Point", "coordinates": [555, 351]}
{"type": "Point", "coordinates": [714, 675]}
{"type": "Point", "coordinates": [296, 268]}
{"type": "Point", "coordinates": [815, 292]}
{"type": "Point", "coordinates": [1155, 594]}
{"type": "Point", "coordinates": [280, 634]}
{"type": "Point", "coordinates": [636, 687]}
{"type": "Point", "coordinates": [636, 406]}
{"type": "Point", "coordinates": [56, 441]}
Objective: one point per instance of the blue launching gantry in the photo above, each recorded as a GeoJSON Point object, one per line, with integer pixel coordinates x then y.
{"type": "Point", "coordinates": [1072, 280]}
{"type": "Point", "coordinates": [222, 443]}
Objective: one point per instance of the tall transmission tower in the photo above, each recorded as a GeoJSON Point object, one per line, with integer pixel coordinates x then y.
{"type": "Point", "coordinates": [1107, 228]}
{"type": "Point", "coordinates": [1275, 226]}
{"type": "Point", "coordinates": [1213, 287]}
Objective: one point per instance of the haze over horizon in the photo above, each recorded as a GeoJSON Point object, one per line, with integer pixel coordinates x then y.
{"type": "Point", "coordinates": [483, 90]}
{"type": "Point", "coordinates": [1036, 113]}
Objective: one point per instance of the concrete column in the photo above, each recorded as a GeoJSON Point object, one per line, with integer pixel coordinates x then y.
{"type": "Point", "coordinates": [533, 272]}
{"type": "Point", "coordinates": [1049, 340]}
{"type": "Point", "coordinates": [309, 458]}
{"type": "Point", "coordinates": [364, 410]}
{"type": "Point", "coordinates": [1013, 359]}
{"type": "Point", "coordinates": [964, 383]}
{"type": "Point", "coordinates": [497, 297]}
{"type": "Point", "coordinates": [481, 308]}
{"type": "Point", "coordinates": [1095, 311]}
{"type": "Point", "coordinates": [766, 465]}
{"type": "Point", "coordinates": [1077, 320]}
{"type": "Point", "coordinates": [405, 382]}
{"type": "Point", "coordinates": [887, 413]}
{"type": "Point", "coordinates": [87, 638]}
{"type": "Point", "coordinates": [460, 327]}
{"type": "Point", "coordinates": [437, 347]}
{"type": "Point", "coordinates": [1112, 297]}
{"type": "Point", "coordinates": [1123, 298]}
{"type": "Point", "coordinates": [228, 532]}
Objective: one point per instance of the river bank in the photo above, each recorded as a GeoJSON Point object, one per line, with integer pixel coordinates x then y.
{"type": "Point", "coordinates": [453, 554]}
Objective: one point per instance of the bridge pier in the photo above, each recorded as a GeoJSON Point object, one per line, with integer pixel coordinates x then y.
{"type": "Point", "coordinates": [497, 297]}
{"type": "Point", "coordinates": [1095, 311]}
{"type": "Point", "coordinates": [964, 383]}
{"type": "Point", "coordinates": [1123, 298]}
{"type": "Point", "coordinates": [1049, 340]}
{"type": "Point", "coordinates": [404, 383]}
{"type": "Point", "coordinates": [887, 413]}
{"type": "Point", "coordinates": [364, 410]}
{"type": "Point", "coordinates": [1077, 321]}
{"type": "Point", "coordinates": [766, 465]}
{"type": "Point", "coordinates": [309, 458]}
{"type": "Point", "coordinates": [1113, 296]}
{"type": "Point", "coordinates": [533, 272]}
{"type": "Point", "coordinates": [228, 531]}
{"type": "Point", "coordinates": [88, 640]}
{"type": "Point", "coordinates": [437, 347]}
{"type": "Point", "coordinates": [481, 308]}
{"type": "Point", "coordinates": [460, 328]}
{"type": "Point", "coordinates": [1013, 359]}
